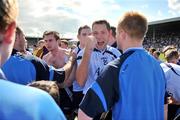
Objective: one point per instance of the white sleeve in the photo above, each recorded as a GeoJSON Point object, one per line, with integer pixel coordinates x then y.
{"type": "Point", "coordinates": [79, 57]}
{"type": "Point", "coordinates": [173, 82]}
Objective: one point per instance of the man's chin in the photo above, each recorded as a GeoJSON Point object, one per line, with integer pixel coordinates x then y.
{"type": "Point", "coordinates": [100, 47]}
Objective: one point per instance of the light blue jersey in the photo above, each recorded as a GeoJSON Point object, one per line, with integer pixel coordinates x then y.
{"type": "Point", "coordinates": [172, 79]}
{"type": "Point", "coordinates": [132, 86]}
{"type": "Point", "coordinates": [26, 103]}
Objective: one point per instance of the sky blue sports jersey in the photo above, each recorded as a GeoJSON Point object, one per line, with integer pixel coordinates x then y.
{"type": "Point", "coordinates": [24, 69]}
{"type": "Point", "coordinates": [26, 103]}
{"type": "Point", "coordinates": [132, 86]}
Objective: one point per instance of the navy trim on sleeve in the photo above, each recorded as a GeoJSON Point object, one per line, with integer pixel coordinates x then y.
{"type": "Point", "coordinates": [79, 49]}
{"type": "Point", "coordinates": [90, 103]}
{"type": "Point", "coordinates": [59, 75]}
{"type": "Point", "coordinates": [97, 89]}
{"type": "Point", "coordinates": [79, 58]}
{"type": "Point", "coordinates": [111, 53]}
{"type": "Point", "coordinates": [109, 80]}
{"type": "Point", "coordinates": [42, 69]}
{"type": "Point", "coordinates": [104, 93]}
{"type": "Point", "coordinates": [44, 72]}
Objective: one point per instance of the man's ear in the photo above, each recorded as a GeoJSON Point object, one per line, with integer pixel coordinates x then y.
{"type": "Point", "coordinates": [10, 32]}
{"type": "Point", "coordinates": [124, 34]}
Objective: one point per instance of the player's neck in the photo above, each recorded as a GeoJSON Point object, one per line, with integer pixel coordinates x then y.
{"type": "Point", "coordinates": [81, 46]}
{"type": "Point", "coordinates": [131, 45]}
{"type": "Point", "coordinates": [55, 51]}
{"type": "Point", "coordinates": [111, 41]}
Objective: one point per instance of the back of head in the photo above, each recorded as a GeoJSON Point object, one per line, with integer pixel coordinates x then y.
{"type": "Point", "coordinates": [50, 87]}
{"type": "Point", "coordinates": [134, 24]}
{"type": "Point", "coordinates": [8, 15]}
{"type": "Point", "coordinates": [113, 29]}
{"type": "Point", "coordinates": [171, 54]}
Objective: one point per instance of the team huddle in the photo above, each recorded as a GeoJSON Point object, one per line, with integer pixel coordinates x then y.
{"type": "Point", "coordinates": [108, 75]}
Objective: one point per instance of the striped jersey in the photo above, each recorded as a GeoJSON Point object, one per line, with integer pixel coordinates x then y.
{"type": "Point", "coordinates": [97, 62]}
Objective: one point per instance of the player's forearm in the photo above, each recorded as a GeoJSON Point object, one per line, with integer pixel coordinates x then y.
{"type": "Point", "coordinates": [69, 66]}
{"type": "Point", "coordinates": [83, 68]}
{"type": "Point", "coordinates": [83, 116]}
{"type": "Point", "coordinates": [71, 77]}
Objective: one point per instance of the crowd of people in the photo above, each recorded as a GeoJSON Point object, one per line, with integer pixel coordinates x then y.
{"type": "Point", "coordinates": [108, 75]}
{"type": "Point", "coordinates": [162, 40]}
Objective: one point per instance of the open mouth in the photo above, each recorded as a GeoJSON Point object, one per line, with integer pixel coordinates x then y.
{"type": "Point", "coordinates": [100, 43]}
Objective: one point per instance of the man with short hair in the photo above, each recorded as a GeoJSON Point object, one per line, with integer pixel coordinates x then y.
{"type": "Point", "coordinates": [172, 75]}
{"type": "Point", "coordinates": [112, 41]}
{"type": "Point", "coordinates": [57, 56]}
{"type": "Point", "coordinates": [133, 89]}
{"type": "Point", "coordinates": [171, 54]}
{"type": "Point", "coordinates": [95, 56]}
{"type": "Point", "coordinates": [20, 41]}
{"type": "Point", "coordinates": [64, 44]}
{"type": "Point", "coordinates": [83, 32]}
{"type": "Point", "coordinates": [18, 101]}
{"type": "Point", "coordinates": [41, 50]}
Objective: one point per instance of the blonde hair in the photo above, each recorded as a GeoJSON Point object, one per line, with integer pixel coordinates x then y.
{"type": "Point", "coordinates": [134, 24]}
{"type": "Point", "coordinates": [8, 13]}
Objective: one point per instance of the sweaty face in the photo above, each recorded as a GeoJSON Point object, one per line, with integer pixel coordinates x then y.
{"type": "Point", "coordinates": [84, 33]}
{"type": "Point", "coordinates": [50, 42]}
{"type": "Point", "coordinates": [101, 33]}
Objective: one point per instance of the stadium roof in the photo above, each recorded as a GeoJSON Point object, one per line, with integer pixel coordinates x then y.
{"type": "Point", "coordinates": [164, 21]}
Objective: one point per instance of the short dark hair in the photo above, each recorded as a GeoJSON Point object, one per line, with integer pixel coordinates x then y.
{"type": "Point", "coordinates": [157, 53]}
{"type": "Point", "coordinates": [152, 50]}
{"type": "Point", "coordinates": [56, 34]}
{"type": "Point", "coordinates": [102, 22]}
{"type": "Point", "coordinates": [83, 27]}
{"type": "Point", "coordinates": [113, 29]}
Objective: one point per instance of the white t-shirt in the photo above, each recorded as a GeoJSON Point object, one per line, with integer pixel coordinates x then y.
{"type": "Point", "coordinates": [172, 80]}
{"type": "Point", "coordinates": [97, 62]}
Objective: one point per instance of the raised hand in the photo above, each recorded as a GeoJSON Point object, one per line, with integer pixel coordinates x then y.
{"type": "Point", "coordinates": [90, 42]}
